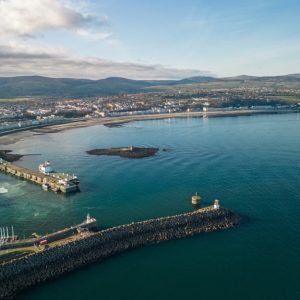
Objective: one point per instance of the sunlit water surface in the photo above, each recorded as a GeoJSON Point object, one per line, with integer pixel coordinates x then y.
{"type": "Point", "coordinates": [252, 164]}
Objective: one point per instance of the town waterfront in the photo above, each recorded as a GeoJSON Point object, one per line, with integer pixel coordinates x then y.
{"type": "Point", "coordinates": [252, 164]}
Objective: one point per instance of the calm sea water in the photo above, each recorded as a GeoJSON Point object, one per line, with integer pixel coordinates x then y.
{"type": "Point", "coordinates": [252, 164]}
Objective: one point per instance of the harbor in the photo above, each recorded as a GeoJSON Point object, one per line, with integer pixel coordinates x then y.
{"type": "Point", "coordinates": [44, 176]}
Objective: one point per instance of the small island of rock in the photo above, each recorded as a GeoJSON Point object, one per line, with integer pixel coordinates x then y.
{"type": "Point", "coordinates": [130, 152]}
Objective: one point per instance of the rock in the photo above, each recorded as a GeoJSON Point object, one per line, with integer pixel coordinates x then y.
{"type": "Point", "coordinates": [130, 152]}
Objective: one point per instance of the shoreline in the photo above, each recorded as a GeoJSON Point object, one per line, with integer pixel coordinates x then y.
{"type": "Point", "coordinates": [14, 137]}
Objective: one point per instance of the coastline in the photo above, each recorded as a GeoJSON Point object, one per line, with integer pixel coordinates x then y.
{"type": "Point", "coordinates": [13, 137]}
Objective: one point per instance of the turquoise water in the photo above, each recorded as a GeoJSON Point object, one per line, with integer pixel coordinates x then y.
{"type": "Point", "coordinates": [252, 164]}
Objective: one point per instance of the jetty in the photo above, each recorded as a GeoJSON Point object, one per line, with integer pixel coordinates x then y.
{"type": "Point", "coordinates": [12, 242]}
{"type": "Point", "coordinates": [19, 274]}
{"type": "Point", "coordinates": [57, 182]}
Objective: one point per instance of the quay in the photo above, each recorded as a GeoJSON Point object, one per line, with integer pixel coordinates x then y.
{"type": "Point", "coordinates": [12, 243]}
{"type": "Point", "coordinates": [21, 273]}
{"type": "Point", "coordinates": [57, 182]}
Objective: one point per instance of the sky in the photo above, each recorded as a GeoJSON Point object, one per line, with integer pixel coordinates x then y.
{"type": "Point", "coordinates": [149, 39]}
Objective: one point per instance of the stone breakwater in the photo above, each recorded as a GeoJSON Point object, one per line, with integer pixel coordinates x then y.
{"type": "Point", "coordinates": [51, 263]}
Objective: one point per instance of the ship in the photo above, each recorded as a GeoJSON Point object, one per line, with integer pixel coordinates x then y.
{"type": "Point", "coordinates": [46, 168]}
{"type": "Point", "coordinates": [66, 183]}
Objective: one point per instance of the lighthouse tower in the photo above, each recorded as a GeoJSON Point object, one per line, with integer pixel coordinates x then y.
{"type": "Point", "coordinates": [216, 204]}
{"type": "Point", "coordinates": [88, 219]}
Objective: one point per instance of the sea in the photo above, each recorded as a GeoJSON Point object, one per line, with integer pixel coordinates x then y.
{"type": "Point", "coordinates": [250, 163]}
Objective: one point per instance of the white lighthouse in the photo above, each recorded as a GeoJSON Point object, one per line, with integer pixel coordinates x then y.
{"type": "Point", "coordinates": [216, 204]}
{"type": "Point", "coordinates": [88, 218]}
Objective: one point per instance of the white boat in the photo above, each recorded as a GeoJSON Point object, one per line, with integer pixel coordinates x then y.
{"type": "Point", "coordinates": [45, 186]}
{"type": "Point", "coordinates": [46, 167]}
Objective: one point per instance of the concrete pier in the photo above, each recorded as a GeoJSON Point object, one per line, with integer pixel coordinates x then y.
{"type": "Point", "coordinates": [55, 184]}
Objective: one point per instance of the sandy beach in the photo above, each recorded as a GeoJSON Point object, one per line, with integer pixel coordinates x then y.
{"type": "Point", "coordinates": [11, 138]}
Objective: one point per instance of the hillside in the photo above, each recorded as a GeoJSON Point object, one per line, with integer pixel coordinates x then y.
{"type": "Point", "coordinates": [28, 86]}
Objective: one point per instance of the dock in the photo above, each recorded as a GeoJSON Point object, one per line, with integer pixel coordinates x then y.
{"type": "Point", "coordinates": [57, 182]}
{"type": "Point", "coordinates": [69, 232]}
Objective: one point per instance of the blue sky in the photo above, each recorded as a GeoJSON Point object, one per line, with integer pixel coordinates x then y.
{"type": "Point", "coordinates": [151, 39]}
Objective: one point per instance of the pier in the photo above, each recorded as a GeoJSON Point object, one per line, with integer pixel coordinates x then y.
{"type": "Point", "coordinates": [21, 273]}
{"type": "Point", "coordinates": [57, 182]}
{"type": "Point", "coordinates": [69, 232]}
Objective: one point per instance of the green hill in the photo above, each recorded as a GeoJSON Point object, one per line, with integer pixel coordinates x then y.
{"type": "Point", "coordinates": [26, 86]}
{"type": "Point", "coordinates": [30, 86]}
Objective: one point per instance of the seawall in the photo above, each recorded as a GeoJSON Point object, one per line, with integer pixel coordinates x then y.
{"type": "Point", "coordinates": [23, 273]}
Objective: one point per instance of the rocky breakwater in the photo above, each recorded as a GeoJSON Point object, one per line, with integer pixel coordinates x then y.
{"type": "Point", "coordinates": [51, 263]}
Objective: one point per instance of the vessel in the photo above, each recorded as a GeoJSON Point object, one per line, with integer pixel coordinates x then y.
{"type": "Point", "coordinates": [46, 168]}
{"type": "Point", "coordinates": [45, 186]}
{"type": "Point", "coordinates": [66, 183]}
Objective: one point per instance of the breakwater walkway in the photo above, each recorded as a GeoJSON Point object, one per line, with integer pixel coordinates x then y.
{"type": "Point", "coordinates": [23, 273]}
{"type": "Point", "coordinates": [88, 224]}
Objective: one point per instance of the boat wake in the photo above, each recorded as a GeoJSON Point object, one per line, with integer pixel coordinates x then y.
{"type": "Point", "coordinates": [3, 190]}
{"type": "Point", "coordinates": [12, 190]}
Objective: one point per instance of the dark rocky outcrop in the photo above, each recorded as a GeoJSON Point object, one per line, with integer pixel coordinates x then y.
{"type": "Point", "coordinates": [51, 263]}
{"type": "Point", "coordinates": [113, 124]}
{"type": "Point", "coordinates": [130, 152]}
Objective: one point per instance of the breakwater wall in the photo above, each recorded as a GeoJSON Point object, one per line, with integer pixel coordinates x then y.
{"type": "Point", "coordinates": [51, 263]}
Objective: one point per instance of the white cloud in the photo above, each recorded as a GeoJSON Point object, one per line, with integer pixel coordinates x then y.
{"type": "Point", "coordinates": [94, 36]}
{"type": "Point", "coordinates": [28, 17]}
{"type": "Point", "coordinates": [24, 18]}
{"type": "Point", "coordinates": [17, 60]}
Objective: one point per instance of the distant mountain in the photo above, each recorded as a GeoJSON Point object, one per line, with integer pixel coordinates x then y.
{"type": "Point", "coordinates": [37, 86]}
{"type": "Point", "coordinates": [27, 86]}
{"type": "Point", "coordinates": [290, 77]}
{"type": "Point", "coordinates": [240, 77]}
{"type": "Point", "coordinates": [294, 75]}
{"type": "Point", "coordinates": [45, 86]}
{"type": "Point", "coordinates": [21, 86]}
{"type": "Point", "coordinates": [198, 79]}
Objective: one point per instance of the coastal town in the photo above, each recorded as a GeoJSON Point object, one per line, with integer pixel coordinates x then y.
{"type": "Point", "coordinates": [22, 113]}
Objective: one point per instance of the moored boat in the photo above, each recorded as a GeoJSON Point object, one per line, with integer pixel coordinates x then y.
{"type": "Point", "coordinates": [45, 186]}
